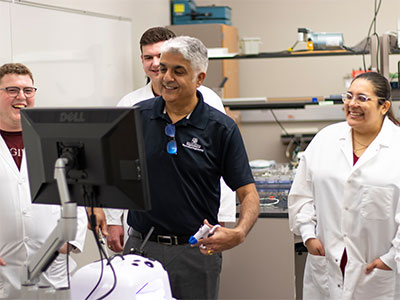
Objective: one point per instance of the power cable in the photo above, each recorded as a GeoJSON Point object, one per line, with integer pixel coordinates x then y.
{"type": "Point", "coordinates": [373, 24]}
{"type": "Point", "coordinates": [89, 202]}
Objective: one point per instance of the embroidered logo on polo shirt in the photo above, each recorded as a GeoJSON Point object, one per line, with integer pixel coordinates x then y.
{"type": "Point", "coordinates": [193, 145]}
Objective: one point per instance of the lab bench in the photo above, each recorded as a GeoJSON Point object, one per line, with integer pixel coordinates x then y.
{"type": "Point", "coordinates": [263, 267]}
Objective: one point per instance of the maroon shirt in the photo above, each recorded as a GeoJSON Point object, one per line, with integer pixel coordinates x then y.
{"type": "Point", "coordinates": [15, 145]}
{"type": "Point", "coordinates": [355, 158]}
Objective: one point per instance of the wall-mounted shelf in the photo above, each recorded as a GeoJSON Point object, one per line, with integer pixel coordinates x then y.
{"type": "Point", "coordinates": [284, 54]}
{"type": "Point", "coordinates": [310, 112]}
{"type": "Point", "coordinates": [281, 105]}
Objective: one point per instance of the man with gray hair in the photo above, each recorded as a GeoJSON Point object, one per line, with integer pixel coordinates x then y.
{"type": "Point", "coordinates": [189, 147]}
{"type": "Point", "coordinates": [150, 47]}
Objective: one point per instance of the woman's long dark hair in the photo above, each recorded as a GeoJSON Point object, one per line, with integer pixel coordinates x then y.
{"type": "Point", "coordinates": [382, 89]}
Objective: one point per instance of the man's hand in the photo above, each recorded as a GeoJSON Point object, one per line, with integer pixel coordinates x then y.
{"type": "Point", "coordinates": [377, 263]}
{"type": "Point", "coordinates": [2, 262]}
{"type": "Point", "coordinates": [115, 238]}
{"type": "Point", "coordinates": [101, 223]}
{"type": "Point", "coordinates": [315, 247]}
{"type": "Point", "coordinates": [222, 239]}
{"type": "Point", "coordinates": [227, 238]}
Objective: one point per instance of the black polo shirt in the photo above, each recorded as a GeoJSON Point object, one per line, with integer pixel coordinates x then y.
{"type": "Point", "coordinates": [185, 188]}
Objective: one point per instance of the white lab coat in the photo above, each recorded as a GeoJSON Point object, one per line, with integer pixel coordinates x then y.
{"type": "Point", "coordinates": [25, 226]}
{"type": "Point", "coordinates": [227, 209]}
{"type": "Point", "coordinates": [350, 207]}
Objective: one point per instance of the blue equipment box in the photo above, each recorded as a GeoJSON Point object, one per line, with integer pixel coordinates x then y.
{"type": "Point", "coordinates": [186, 12]}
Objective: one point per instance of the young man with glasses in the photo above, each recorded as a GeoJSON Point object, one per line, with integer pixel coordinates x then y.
{"type": "Point", "coordinates": [184, 176]}
{"type": "Point", "coordinates": [24, 226]}
{"type": "Point", "coordinates": [150, 45]}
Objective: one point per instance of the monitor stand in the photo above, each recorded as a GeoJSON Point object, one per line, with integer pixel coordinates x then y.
{"type": "Point", "coordinates": [65, 231]}
{"type": "Point", "coordinates": [138, 277]}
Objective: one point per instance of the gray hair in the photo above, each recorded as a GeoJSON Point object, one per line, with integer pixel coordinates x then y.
{"type": "Point", "coordinates": [192, 49]}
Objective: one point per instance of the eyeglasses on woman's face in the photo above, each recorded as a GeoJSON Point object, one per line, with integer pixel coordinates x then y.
{"type": "Point", "coordinates": [360, 98]}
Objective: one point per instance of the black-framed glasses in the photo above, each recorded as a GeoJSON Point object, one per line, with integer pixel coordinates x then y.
{"type": "Point", "coordinates": [172, 147]}
{"type": "Point", "coordinates": [13, 91]}
{"type": "Point", "coordinates": [347, 97]}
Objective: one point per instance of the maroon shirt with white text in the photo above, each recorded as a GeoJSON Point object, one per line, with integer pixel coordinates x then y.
{"type": "Point", "coordinates": [15, 144]}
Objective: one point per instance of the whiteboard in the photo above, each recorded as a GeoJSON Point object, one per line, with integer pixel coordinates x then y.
{"type": "Point", "coordinates": [76, 59]}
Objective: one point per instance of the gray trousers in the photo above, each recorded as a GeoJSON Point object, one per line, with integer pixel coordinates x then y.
{"type": "Point", "coordinates": [192, 275]}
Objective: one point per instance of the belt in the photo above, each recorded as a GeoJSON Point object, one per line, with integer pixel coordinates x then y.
{"type": "Point", "coordinates": [165, 239]}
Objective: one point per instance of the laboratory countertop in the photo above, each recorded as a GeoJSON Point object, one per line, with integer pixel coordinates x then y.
{"type": "Point", "coordinates": [269, 212]}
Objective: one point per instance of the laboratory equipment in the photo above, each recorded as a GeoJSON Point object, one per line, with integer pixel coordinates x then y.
{"type": "Point", "coordinates": [137, 278]}
{"type": "Point", "coordinates": [273, 182]}
{"type": "Point", "coordinates": [319, 40]}
{"type": "Point", "coordinates": [186, 12]}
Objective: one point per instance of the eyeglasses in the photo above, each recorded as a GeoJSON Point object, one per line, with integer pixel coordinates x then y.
{"type": "Point", "coordinates": [172, 147]}
{"type": "Point", "coordinates": [13, 91]}
{"type": "Point", "coordinates": [347, 97]}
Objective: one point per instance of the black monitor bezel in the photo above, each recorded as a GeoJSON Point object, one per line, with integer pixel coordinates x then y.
{"type": "Point", "coordinates": [112, 181]}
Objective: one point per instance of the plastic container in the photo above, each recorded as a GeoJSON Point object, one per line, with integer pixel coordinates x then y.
{"type": "Point", "coordinates": [250, 45]}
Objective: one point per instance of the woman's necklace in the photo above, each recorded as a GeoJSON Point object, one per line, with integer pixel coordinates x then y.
{"type": "Point", "coordinates": [358, 147]}
{"type": "Point", "coordinates": [359, 151]}
{"type": "Point", "coordinates": [361, 144]}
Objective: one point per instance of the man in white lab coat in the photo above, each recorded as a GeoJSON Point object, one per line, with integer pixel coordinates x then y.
{"type": "Point", "coordinates": [24, 226]}
{"type": "Point", "coordinates": [345, 198]}
{"type": "Point", "coordinates": [150, 45]}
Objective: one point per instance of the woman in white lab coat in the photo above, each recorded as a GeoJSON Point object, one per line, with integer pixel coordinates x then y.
{"type": "Point", "coordinates": [345, 197]}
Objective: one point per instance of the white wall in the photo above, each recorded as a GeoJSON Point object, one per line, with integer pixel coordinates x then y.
{"type": "Point", "coordinates": [144, 14]}
{"type": "Point", "coordinates": [76, 69]}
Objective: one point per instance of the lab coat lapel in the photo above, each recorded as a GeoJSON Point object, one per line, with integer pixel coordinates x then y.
{"type": "Point", "coordinates": [382, 140]}
{"type": "Point", "coordinates": [369, 154]}
{"type": "Point", "coordinates": [347, 146]}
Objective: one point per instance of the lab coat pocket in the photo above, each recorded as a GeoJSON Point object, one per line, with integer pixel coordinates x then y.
{"type": "Point", "coordinates": [376, 202]}
{"type": "Point", "coordinates": [319, 272]}
{"type": "Point", "coordinates": [379, 284]}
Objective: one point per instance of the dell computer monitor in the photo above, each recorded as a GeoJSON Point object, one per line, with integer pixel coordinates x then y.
{"type": "Point", "coordinates": [105, 152]}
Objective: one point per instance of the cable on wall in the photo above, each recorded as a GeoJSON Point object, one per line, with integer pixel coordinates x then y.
{"type": "Point", "coordinates": [373, 25]}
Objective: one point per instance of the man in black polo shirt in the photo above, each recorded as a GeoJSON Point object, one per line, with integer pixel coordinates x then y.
{"type": "Point", "coordinates": [189, 146]}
